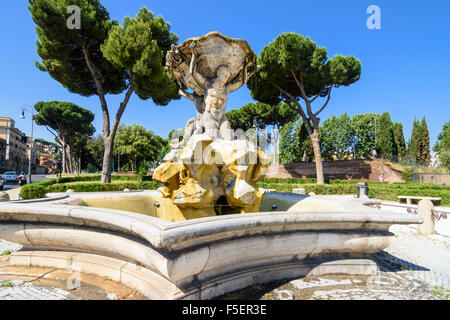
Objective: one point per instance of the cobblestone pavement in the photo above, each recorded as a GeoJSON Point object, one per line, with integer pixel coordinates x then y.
{"type": "Point", "coordinates": [21, 290]}
{"type": "Point", "coordinates": [40, 283]}
{"type": "Point", "coordinates": [382, 286]}
{"type": "Point", "coordinates": [426, 258]}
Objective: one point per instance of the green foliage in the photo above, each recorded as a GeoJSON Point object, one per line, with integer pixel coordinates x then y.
{"type": "Point", "coordinates": [71, 123]}
{"type": "Point", "coordinates": [424, 149]}
{"type": "Point", "coordinates": [103, 57]}
{"type": "Point", "coordinates": [443, 139]}
{"type": "Point", "coordinates": [414, 141]}
{"type": "Point", "coordinates": [263, 115]}
{"type": "Point", "coordinates": [295, 143]}
{"type": "Point", "coordinates": [419, 144]}
{"type": "Point", "coordinates": [292, 52]}
{"type": "Point", "coordinates": [45, 142]}
{"type": "Point", "coordinates": [292, 68]}
{"type": "Point", "coordinates": [336, 137]}
{"type": "Point", "coordinates": [407, 174]}
{"type": "Point", "coordinates": [377, 190]}
{"type": "Point", "coordinates": [139, 46]}
{"type": "Point", "coordinates": [91, 168]}
{"type": "Point", "coordinates": [143, 168]}
{"type": "Point", "coordinates": [442, 145]}
{"type": "Point", "coordinates": [138, 146]}
{"type": "Point", "coordinates": [6, 284]}
{"type": "Point", "coordinates": [95, 149]}
{"type": "Point", "coordinates": [66, 118]}
{"type": "Point", "coordinates": [86, 183]}
{"type": "Point", "coordinates": [384, 143]}
{"type": "Point", "coordinates": [239, 120]}
{"type": "Point", "coordinates": [275, 115]}
{"type": "Point", "coordinates": [399, 139]}
{"type": "Point", "coordinates": [61, 49]}
{"type": "Point", "coordinates": [363, 126]}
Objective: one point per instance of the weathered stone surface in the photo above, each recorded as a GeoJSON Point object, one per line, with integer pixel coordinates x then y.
{"type": "Point", "coordinates": [425, 208]}
{"type": "Point", "coordinates": [199, 258]}
{"type": "Point", "coordinates": [209, 168]}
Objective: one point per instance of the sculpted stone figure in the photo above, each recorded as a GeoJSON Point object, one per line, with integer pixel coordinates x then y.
{"type": "Point", "coordinates": [208, 168]}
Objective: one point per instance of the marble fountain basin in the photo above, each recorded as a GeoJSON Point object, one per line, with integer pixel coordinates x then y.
{"type": "Point", "coordinates": [123, 235]}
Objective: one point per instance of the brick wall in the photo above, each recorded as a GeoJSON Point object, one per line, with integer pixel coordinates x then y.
{"type": "Point", "coordinates": [341, 169]}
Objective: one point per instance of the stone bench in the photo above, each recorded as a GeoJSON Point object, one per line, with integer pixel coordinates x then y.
{"type": "Point", "coordinates": [410, 198]}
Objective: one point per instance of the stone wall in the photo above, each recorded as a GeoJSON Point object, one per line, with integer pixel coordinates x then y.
{"type": "Point", "coordinates": [431, 178]}
{"type": "Point", "coordinates": [341, 169]}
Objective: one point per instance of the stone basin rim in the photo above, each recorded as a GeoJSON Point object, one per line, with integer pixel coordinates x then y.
{"type": "Point", "coordinates": [167, 235]}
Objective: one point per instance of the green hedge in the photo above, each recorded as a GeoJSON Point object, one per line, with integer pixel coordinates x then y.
{"type": "Point", "coordinates": [97, 177]}
{"type": "Point", "coordinates": [38, 190]}
{"type": "Point", "coordinates": [378, 190]}
{"type": "Point", "coordinates": [316, 188]}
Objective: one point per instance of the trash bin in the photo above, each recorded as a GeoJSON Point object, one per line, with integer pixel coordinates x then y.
{"type": "Point", "coordinates": [362, 189]}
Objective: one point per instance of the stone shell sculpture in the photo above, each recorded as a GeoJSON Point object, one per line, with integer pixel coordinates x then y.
{"type": "Point", "coordinates": [210, 169]}
{"type": "Point", "coordinates": [214, 51]}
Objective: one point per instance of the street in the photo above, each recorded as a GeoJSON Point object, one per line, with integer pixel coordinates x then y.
{"type": "Point", "coordinates": [10, 187]}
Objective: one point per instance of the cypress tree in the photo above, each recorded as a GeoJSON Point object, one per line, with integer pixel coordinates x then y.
{"type": "Point", "coordinates": [425, 155]}
{"type": "Point", "coordinates": [414, 142]}
{"type": "Point", "coordinates": [384, 143]}
{"type": "Point", "coordinates": [399, 139]}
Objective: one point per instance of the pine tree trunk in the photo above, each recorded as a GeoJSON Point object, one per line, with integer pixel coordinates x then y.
{"type": "Point", "coordinates": [317, 156]}
{"type": "Point", "coordinates": [64, 158]}
{"type": "Point", "coordinates": [107, 159]}
{"type": "Point", "coordinates": [69, 156]}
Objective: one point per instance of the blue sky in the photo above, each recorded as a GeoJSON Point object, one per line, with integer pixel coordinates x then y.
{"type": "Point", "coordinates": [405, 65]}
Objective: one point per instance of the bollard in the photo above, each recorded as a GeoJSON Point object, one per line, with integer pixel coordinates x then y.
{"type": "Point", "coordinates": [425, 209]}
{"type": "Point", "coordinates": [362, 190]}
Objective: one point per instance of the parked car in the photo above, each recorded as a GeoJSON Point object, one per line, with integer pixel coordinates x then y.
{"type": "Point", "coordinates": [10, 176]}
{"type": "Point", "coordinates": [2, 182]}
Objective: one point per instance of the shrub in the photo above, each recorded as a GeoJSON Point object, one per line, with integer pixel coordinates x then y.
{"type": "Point", "coordinates": [407, 174]}
{"type": "Point", "coordinates": [32, 191]}
{"type": "Point", "coordinates": [378, 190]}
{"type": "Point", "coordinates": [38, 190]}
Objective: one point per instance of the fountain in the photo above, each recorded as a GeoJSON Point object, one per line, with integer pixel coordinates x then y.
{"type": "Point", "coordinates": [211, 167]}
{"type": "Point", "coordinates": [209, 229]}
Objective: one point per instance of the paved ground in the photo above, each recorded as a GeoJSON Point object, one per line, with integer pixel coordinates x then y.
{"type": "Point", "coordinates": [35, 283]}
{"type": "Point", "coordinates": [13, 188]}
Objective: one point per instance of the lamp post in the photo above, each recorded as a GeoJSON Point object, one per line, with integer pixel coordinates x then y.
{"type": "Point", "coordinates": [27, 108]}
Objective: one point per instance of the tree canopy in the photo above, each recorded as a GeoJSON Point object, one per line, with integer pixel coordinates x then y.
{"type": "Point", "coordinates": [442, 145]}
{"type": "Point", "coordinates": [65, 120]}
{"type": "Point", "coordinates": [384, 142]}
{"type": "Point", "coordinates": [419, 143]}
{"type": "Point", "coordinates": [262, 116]}
{"type": "Point", "coordinates": [103, 57]}
{"type": "Point", "coordinates": [399, 139]}
{"type": "Point", "coordinates": [336, 137]}
{"type": "Point", "coordinates": [363, 126]}
{"type": "Point", "coordinates": [295, 143]}
{"type": "Point", "coordinates": [138, 145]}
{"type": "Point", "coordinates": [293, 69]}
{"type": "Point", "coordinates": [63, 51]}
